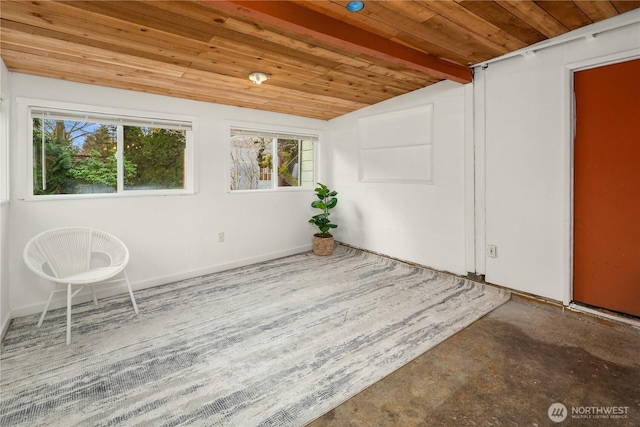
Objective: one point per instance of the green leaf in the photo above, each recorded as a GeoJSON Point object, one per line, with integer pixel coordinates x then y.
{"type": "Point", "coordinates": [318, 204]}
{"type": "Point", "coordinates": [332, 203]}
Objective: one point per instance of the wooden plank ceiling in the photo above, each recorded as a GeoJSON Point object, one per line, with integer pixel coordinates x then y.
{"type": "Point", "coordinates": [323, 61]}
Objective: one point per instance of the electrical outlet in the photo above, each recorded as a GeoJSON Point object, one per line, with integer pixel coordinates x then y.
{"type": "Point", "coordinates": [220, 237]}
{"type": "Point", "coordinates": [492, 251]}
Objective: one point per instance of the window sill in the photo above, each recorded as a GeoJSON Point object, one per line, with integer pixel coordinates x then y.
{"type": "Point", "coordinates": [272, 190]}
{"type": "Point", "coordinates": [127, 194]}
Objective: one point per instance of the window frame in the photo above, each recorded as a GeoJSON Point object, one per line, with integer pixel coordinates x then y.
{"type": "Point", "coordinates": [4, 150]}
{"type": "Point", "coordinates": [25, 135]}
{"type": "Point", "coordinates": [317, 134]}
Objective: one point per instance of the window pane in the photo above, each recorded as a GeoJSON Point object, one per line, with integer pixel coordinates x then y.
{"type": "Point", "coordinates": [73, 157]}
{"type": "Point", "coordinates": [251, 163]}
{"type": "Point", "coordinates": [306, 163]}
{"type": "Point", "coordinates": [295, 163]}
{"type": "Point", "coordinates": [288, 162]}
{"type": "Point", "coordinates": [154, 158]}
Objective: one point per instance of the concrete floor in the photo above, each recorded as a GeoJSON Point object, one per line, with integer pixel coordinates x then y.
{"type": "Point", "coordinates": [507, 369]}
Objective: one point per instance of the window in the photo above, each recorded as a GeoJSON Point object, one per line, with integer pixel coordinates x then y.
{"type": "Point", "coordinates": [265, 160]}
{"type": "Point", "coordinates": [84, 152]}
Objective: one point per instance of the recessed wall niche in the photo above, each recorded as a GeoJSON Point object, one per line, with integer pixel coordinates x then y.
{"type": "Point", "coordinates": [397, 146]}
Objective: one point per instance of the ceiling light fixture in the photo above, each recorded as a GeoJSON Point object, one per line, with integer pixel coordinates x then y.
{"type": "Point", "coordinates": [355, 6]}
{"type": "Point", "coordinates": [258, 77]}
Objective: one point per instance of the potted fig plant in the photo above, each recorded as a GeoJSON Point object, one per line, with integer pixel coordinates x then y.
{"type": "Point", "coordinates": [323, 241]}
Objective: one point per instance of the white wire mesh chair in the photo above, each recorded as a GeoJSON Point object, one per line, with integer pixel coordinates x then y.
{"type": "Point", "coordinates": [64, 256]}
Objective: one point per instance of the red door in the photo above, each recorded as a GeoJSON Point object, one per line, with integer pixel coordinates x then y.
{"type": "Point", "coordinates": [606, 270]}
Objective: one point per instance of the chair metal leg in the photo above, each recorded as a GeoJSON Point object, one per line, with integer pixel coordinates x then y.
{"type": "Point", "coordinates": [69, 314]}
{"type": "Point", "coordinates": [46, 306]}
{"type": "Point", "coordinates": [133, 300]}
{"type": "Point", "coordinates": [95, 299]}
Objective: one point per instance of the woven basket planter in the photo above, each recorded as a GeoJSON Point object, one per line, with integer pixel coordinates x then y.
{"type": "Point", "coordinates": [322, 246]}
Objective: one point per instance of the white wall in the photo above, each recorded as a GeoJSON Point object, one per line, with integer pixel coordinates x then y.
{"type": "Point", "coordinates": [5, 291]}
{"type": "Point", "coordinates": [169, 237]}
{"type": "Point", "coordinates": [528, 158]}
{"type": "Point", "coordinates": [421, 223]}
{"type": "Point", "coordinates": [5, 306]}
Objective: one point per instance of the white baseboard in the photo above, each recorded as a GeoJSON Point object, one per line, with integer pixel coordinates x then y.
{"type": "Point", "coordinates": [118, 288]}
{"type": "Point", "coordinates": [5, 324]}
{"type": "Point", "coordinates": [220, 267]}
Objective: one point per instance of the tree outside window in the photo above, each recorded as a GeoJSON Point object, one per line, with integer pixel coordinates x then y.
{"type": "Point", "coordinates": [78, 157]}
{"type": "Point", "coordinates": [267, 160]}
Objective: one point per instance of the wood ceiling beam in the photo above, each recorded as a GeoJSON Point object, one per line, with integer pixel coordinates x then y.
{"type": "Point", "coordinates": [296, 18]}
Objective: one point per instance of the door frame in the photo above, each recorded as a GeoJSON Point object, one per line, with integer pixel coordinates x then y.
{"type": "Point", "coordinates": [568, 157]}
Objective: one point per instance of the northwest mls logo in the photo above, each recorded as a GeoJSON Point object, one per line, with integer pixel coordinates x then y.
{"type": "Point", "coordinates": [557, 412]}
